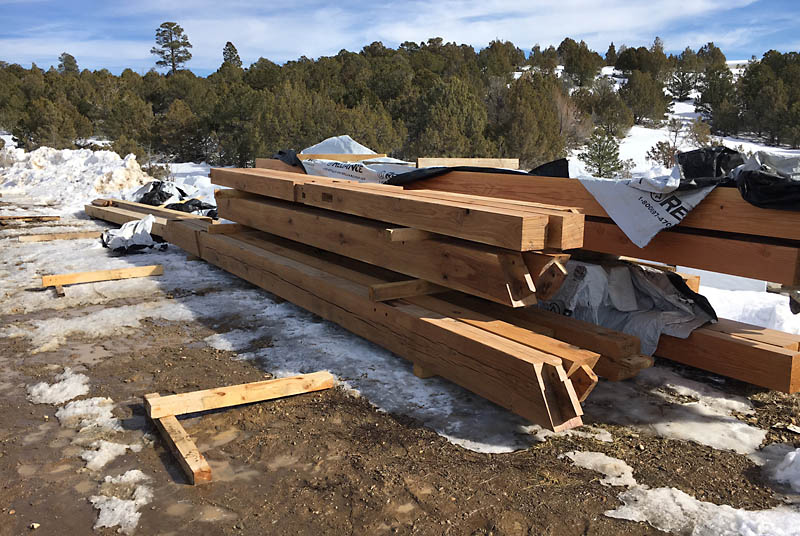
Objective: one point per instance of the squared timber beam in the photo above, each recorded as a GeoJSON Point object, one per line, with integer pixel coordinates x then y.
{"type": "Point", "coordinates": [402, 289]}
{"type": "Point", "coordinates": [101, 275]}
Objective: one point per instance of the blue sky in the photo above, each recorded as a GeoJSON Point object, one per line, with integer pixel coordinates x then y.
{"type": "Point", "coordinates": [116, 35]}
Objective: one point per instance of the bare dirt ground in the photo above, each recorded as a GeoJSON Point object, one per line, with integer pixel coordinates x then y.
{"type": "Point", "coordinates": [321, 463]}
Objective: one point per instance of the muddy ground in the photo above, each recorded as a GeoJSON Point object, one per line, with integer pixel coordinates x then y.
{"type": "Point", "coordinates": [321, 463]}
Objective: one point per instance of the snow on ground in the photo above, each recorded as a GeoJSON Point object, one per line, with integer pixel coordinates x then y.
{"type": "Point", "coordinates": [68, 385]}
{"type": "Point", "coordinates": [672, 510]}
{"type": "Point", "coordinates": [120, 500]}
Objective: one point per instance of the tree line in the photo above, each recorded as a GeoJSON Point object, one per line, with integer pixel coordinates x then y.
{"type": "Point", "coordinates": [419, 99]}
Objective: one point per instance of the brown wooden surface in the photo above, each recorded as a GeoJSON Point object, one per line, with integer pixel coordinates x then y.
{"type": "Point", "coordinates": [402, 289]}
{"type": "Point", "coordinates": [278, 187]}
{"type": "Point", "coordinates": [729, 355]}
{"type": "Point", "coordinates": [29, 218]}
{"type": "Point", "coordinates": [234, 395]}
{"type": "Point", "coordinates": [505, 372]}
{"type": "Point", "coordinates": [160, 212]}
{"type": "Point", "coordinates": [120, 215]}
{"type": "Point", "coordinates": [469, 267]}
{"type": "Point", "coordinates": [789, 341]}
{"type": "Point", "coordinates": [193, 463]}
{"type": "Point", "coordinates": [723, 209]}
{"type": "Point", "coordinates": [510, 163]}
{"type": "Point", "coordinates": [275, 164]}
{"type": "Point", "coordinates": [101, 275]}
{"type": "Point", "coordinates": [513, 230]}
{"type": "Point", "coordinates": [80, 235]}
{"type": "Point", "coordinates": [779, 264]}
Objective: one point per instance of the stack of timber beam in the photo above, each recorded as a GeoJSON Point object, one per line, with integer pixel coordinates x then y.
{"type": "Point", "coordinates": [723, 234]}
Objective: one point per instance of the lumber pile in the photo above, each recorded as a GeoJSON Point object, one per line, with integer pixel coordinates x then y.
{"type": "Point", "coordinates": [723, 234]}
{"type": "Point", "coordinates": [119, 212]}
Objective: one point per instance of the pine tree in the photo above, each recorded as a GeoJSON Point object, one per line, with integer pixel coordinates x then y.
{"type": "Point", "coordinates": [684, 77]}
{"type": "Point", "coordinates": [231, 55]}
{"type": "Point", "coordinates": [173, 46]}
{"type": "Point", "coordinates": [611, 54]}
{"type": "Point", "coordinates": [602, 155]}
{"type": "Point", "coordinates": [67, 64]}
{"type": "Point", "coordinates": [645, 97]}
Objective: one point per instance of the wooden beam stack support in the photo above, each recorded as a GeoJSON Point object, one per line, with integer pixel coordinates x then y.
{"type": "Point", "coordinates": [528, 381]}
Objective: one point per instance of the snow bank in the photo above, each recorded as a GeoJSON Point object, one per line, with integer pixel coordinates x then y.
{"type": "Point", "coordinates": [123, 496]}
{"type": "Point", "coordinates": [68, 386]}
{"type": "Point", "coordinates": [760, 308]}
{"type": "Point", "coordinates": [616, 472]}
{"type": "Point", "coordinates": [69, 178]}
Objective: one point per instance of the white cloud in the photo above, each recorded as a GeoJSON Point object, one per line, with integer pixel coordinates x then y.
{"type": "Point", "coordinates": [314, 28]}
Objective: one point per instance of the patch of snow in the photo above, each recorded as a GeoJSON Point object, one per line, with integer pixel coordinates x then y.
{"type": "Point", "coordinates": [123, 496]}
{"type": "Point", "coordinates": [588, 432]}
{"type": "Point", "coordinates": [233, 341]}
{"type": "Point", "coordinates": [788, 471]}
{"type": "Point", "coordinates": [672, 510]}
{"type": "Point", "coordinates": [760, 308]}
{"type": "Point", "coordinates": [68, 385]}
{"type": "Point", "coordinates": [655, 401]}
{"type": "Point", "coordinates": [101, 452]}
{"type": "Point", "coordinates": [616, 472]}
{"type": "Point", "coordinates": [89, 414]}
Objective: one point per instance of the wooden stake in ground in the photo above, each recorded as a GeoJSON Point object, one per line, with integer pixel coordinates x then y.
{"type": "Point", "coordinates": [101, 275]}
{"type": "Point", "coordinates": [162, 410]}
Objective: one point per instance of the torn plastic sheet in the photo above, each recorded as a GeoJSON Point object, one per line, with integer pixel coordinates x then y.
{"type": "Point", "coordinates": [630, 298]}
{"type": "Point", "coordinates": [647, 205]}
{"type": "Point", "coordinates": [132, 236]}
{"type": "Point", "coordinates": [157, 193]}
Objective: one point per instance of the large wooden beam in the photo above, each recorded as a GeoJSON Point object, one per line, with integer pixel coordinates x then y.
{"type": "Point", "coordinates": [275, 184]}
{"type": "Point", "coordinates": [773, 337]}
{"type": "Point", "coordinates": [530, 383]}
{"type": "Point", "coordinates": [120, 215]}
{"type": "Point", "coordinates": [275, 164]}
{"type": "Point", "coordinates": [515, 230]}
{"type": "Point", "coordinates": [234, 395]}
{"type": "Point", "coordinates": [510, 163]}
{"type": "Point", "coordinates": [780, 264]}
{"type": "Point", "coordinates": [160, 212]}
{"type": "Point", "coordinates": [730, 355]}
{"type": "Point", "coordinates": [402, 289]}
{"type": "Point", "coordinates": [496, 275]}
{"type": "Point", "coordinates": [101, 275]}
{"type": "Point", "coordinates": [723, 209]}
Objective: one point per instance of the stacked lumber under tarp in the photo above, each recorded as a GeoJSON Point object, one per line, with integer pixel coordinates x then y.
{"type": "Point", "coordinates": [723, 234]}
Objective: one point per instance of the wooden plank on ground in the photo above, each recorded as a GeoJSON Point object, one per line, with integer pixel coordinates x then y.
{"type": "Point", "coordinates": [779, 264]}
{"type": "Point", "coordinates": [467, 266]}
{"type": "Point", "coordinates": [509, 229]}
{"type": "Point", "coordinates": [192, 462]}
{"type": "Point", "coordinates": [120, 215]}
{"type": "Point", "coordinates": [730, 355]}
{"type": "Point", "coordinates": [5, 220]}
{"type": "Point", "coordinates": [47, 237]}
{"type": "Point", "coordinates": [234, 395]}
{"type": "Point", "coordinates": [160, 212]}
{"type": "Point", "coordinates": [722, 210]}
{"type": "Point", "coordinates": [509, 163]}
{"type": "Point", "coordinates": [341, 157]}
{"type": "Point", "coordinates": [402, 289]}
{"type": "Point", "coordinates": [101, 275]}
{"type": "Point", "coordinates": [533, 385]}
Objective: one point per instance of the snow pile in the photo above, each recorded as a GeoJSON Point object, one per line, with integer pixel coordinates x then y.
{"type": "Point", "coordinates": [101, 452]}
{"type": "Point", "coordinates": [616, 472]}
{"type": "Point", "coordinates": [89, 414]}
{"type": "Point", "coordinates": [661, 402]}
{"type": "Point", "coordinates": [69, 178]}
{"type": "Point", "coordinates": [788, 471]}
{"type": "Point", "coordinates": [120, 501]}
{"type": "Point", "coordinates": [672, 510]}
{"type": "Point", "coordinates": [68, 386]}
{"type": "Point", "coordinates": [587, 432]}
{"type": "Point", "coordinates": [338, 145]}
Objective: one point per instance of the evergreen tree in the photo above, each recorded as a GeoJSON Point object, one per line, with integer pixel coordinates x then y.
{"type": "Point", "coordinates": [684, 77]}
{"type": "Point", "coordinates": [67, 64]}
{"type": "Point", "coordinates": [607, 109]}
{"type": "Point", "coordinates": [581, 64]}
{"type": "Point", "coordinates": [611, 54]}
{"type": "Point", "coordinates": [230, 55]}
{"type": "Point", "coordinates": [173, 46]}
{"type": "Point", "coordinates": [602, 155]}
{"type": "Point", "coordinates": [718, 98]}
{"type": "Point", "coordinates": [545, 60]}
{"type": "Point", "coordinates": [645, 97]}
